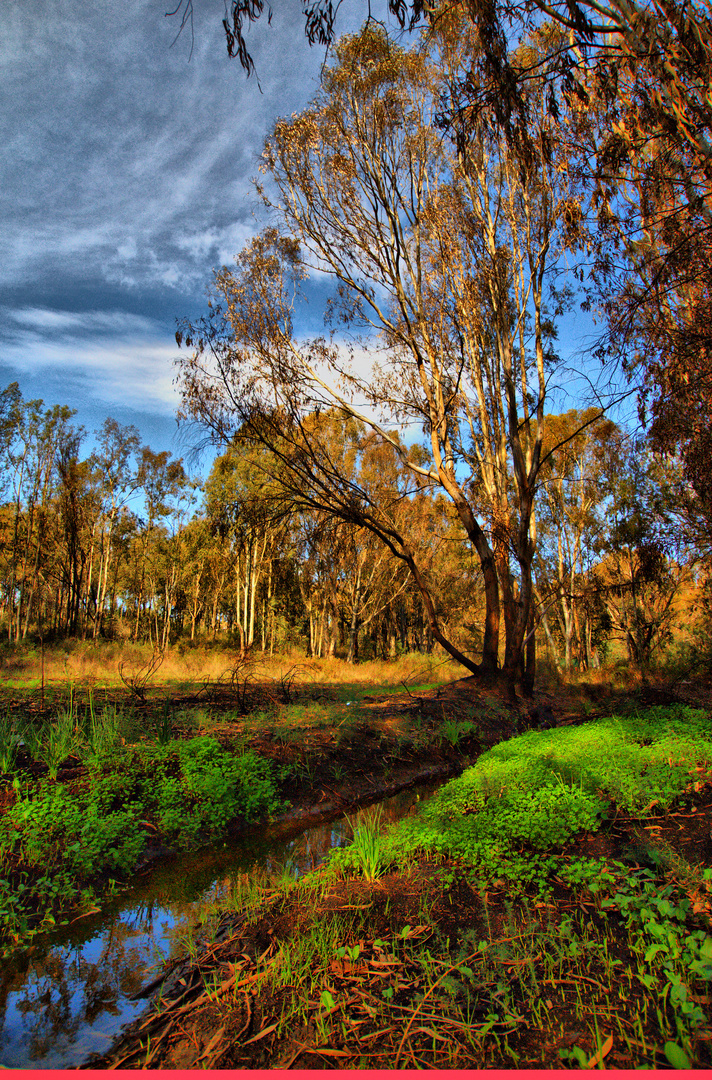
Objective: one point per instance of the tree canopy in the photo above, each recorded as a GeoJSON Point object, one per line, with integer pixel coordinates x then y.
{"type": "Point", "coordinates": [634, 77]}
{"type": "Point", "coordinates": [445, 253]}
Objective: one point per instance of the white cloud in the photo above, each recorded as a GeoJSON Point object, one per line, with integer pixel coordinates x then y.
{"type": "Point", "coordinates": [49, 320]}
{"type": "Point", "coordinates": [124, 161]}
{"type": "Point", "coordinates": [114, 356]}
{"type": "Point", "coordinates": [126, 176]}
{"type": "Point", "coordinates": [219, 245]}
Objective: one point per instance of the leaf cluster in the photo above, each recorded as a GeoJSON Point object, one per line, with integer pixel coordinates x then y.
{"type": "Point", "coordinates": [54, 840]}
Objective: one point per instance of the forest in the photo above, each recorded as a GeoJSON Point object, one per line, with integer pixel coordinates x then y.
{"type": "Point", "coordinates": [415, 475]}
{"type": "Point", "coordinates": [124, 545]}
{"type": "Point", "coordinates": [439, 549]}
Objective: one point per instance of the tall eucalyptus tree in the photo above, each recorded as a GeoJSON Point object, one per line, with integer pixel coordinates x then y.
{"type": "Point", "coordinates": [444, 255]}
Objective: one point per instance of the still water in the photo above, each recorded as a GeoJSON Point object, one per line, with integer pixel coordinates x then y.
{"type": "Point", "coordinates": [69, 995]}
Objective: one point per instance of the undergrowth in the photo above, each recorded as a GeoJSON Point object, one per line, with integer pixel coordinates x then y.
{"type": "Point", "coordinates": [54, 841]}
{"type": "Point", "coordinates": [539, 789]}
{"type": "Point", "coordinates": [475, 935]}
{"type": "Point", "coordinates": [497, 827]}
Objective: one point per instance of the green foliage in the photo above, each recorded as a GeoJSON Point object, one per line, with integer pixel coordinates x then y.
{"type": "Point", "coordinates": [53, 741]}
{"type": "Point", "coordinates": [56, 829]}
{"type": "Point", "coordinates": [56, 839]}
{"type": "Point", "coordinates": [676, 1056]}
{"type": "Point", "coordinates": [674, 958]}
{"type": "Point", "coordinates": [225, 785]}
{"type": "Point", "coordinates": [162, 726]}
{"type": "Point", "coordinates": [367, 852]}
{"type": "Point", "coordinates": [592, 874]}
{"type": "Point", "coordinates": [455, 730]}
{"type": "Point", "coordinates": [101, 732]}
{"type": "Point", "coordinates": [541, 788]}
{"type": "Point", "coordinates": [9, 743]}
{"type": "Point", "coordinates": [194, 785]}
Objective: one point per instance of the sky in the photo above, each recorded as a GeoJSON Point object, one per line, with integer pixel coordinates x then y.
{"type": "Point", "coordinates": [126, 178]}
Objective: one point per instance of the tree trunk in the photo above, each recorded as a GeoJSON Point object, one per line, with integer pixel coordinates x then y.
{"type": "Point", "coordinates": [352, 654]}
{"type": "Point", "coordinates": [253, 594]}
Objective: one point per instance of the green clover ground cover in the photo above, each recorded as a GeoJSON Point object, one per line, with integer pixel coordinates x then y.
{"type": "Point", "coordinates": [498, 826]}
{"type": "Point", "coordinates": [536, 791]}
{"type": "Point", "coordinates": [54, 841]}
{"type": "Point", "coordinates": [542, 788]}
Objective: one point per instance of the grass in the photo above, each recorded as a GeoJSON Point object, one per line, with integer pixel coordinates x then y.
{"type": "Point", "coordinates": [488, 932]}
{"type": "Point", "coordinates": [56, 739]}
{"type": "Point", "coordinates": [366, 851]}
{"type": "Point", "coordinates": [96, 663]}
{"type": "Point", "coordinates": [10, 740]}
{"type": "Point", "coordinates": [544, 787]}
{"type": "Point", "coordinates": [146, 768]}
{"type": "Point", "coordinates": [482, 934]}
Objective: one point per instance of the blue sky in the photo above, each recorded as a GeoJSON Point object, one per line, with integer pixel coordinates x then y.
{"type": "Point", "coordinates": [126, 179]}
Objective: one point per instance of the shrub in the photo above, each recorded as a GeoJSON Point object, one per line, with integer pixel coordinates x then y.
{"type": "Point", "coordinates": [56, 840]}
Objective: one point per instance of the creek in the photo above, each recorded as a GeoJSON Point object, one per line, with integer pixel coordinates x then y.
{"type": "Point", "coordinates": [68, 995]}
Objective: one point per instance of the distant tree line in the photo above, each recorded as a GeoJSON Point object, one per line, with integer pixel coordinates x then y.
{"type": "Point", "coordinates": [123, 544]}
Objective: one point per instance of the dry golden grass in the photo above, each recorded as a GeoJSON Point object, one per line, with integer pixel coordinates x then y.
{"type": "Point", "coordinates": [184, 666]}
{"type": "Point", "coordinates": [97, 664]}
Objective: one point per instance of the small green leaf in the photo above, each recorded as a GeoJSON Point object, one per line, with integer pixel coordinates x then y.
{"type": "Point", "coordinates": [580, 1056]}
{"type": "Point", "coordinates": [706, 949]}
{"type": "Point", "coordinates": [676, 1056]}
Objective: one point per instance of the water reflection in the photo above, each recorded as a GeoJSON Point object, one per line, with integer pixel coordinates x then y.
{"type": "Point", "coordinates": [69, 995]}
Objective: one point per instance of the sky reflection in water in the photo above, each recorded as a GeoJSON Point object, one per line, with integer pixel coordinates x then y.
{"type": "Point", "coordinates": [68, 996]}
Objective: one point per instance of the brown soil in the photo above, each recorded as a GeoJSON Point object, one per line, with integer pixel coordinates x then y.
{"type": "Point", "coordinates": [218, 1010]}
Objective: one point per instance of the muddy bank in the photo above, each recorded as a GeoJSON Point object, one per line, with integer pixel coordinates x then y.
{"type": "Point", "coordinates": [601, 957]}
{"type": "Point", "coordinates": [312, 808]}
{"type": "Point", "coordinates": [69, 995]}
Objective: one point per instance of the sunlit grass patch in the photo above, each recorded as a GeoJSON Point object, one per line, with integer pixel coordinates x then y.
{"type": "Point", "coordinates": [541, 788]}
{"type": "Point", "coordinates": [185, 666]}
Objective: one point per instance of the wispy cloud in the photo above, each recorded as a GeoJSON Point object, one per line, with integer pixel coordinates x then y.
{"type": "Point", "coordinates": [46, 320]}
{"type": "Point", "coordinates": [122, 159]}
{"type": "Point", "coordinates": [113, 356]}
{"type": "Point", "coordinates": [126, 179]}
